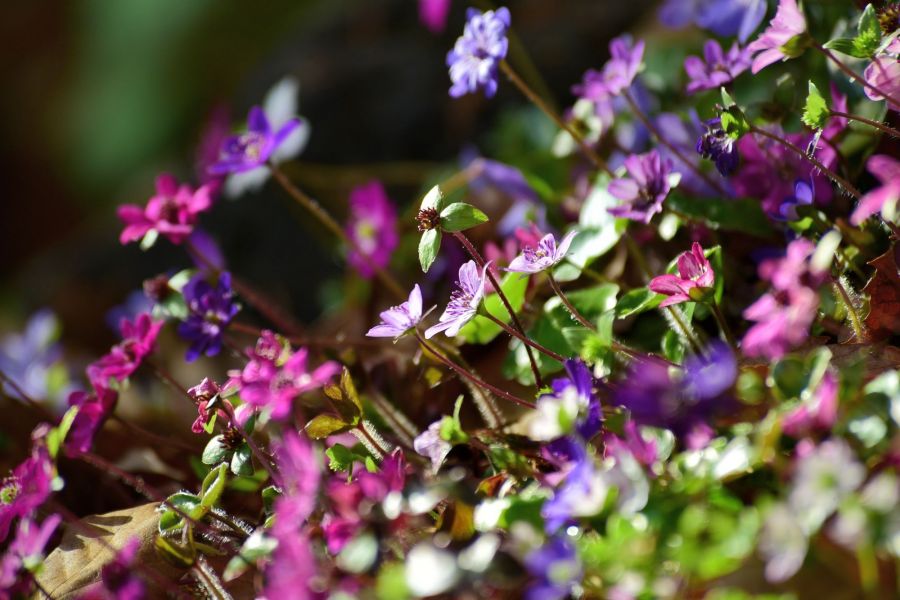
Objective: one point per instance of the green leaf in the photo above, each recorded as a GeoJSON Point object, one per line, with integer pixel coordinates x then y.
{"type": "Point", "coordinates": [213, 486]}
{"type": "Point", "coordinates": [727, 100]}
{"type": "Point", "coordinates": [185, 503]}
{"type": "Point", "coordinates": [816, 112]}
{"type": "Point", "coordinates": [868, 31]}
{"type": "Point", "coordinates": [269, 494]}
{"type": "Point", "coordinates": [734, 123]}
{"type": "Point", "coordinates": [844, 46]}
{"type": "Point", "coordinates": [242, 462]}
{"type": "Point", "coordinates": [174, 553]}
{"type": "Point", "coordinates": [482, 330]}
{"type": "Point", "coordinates": [637, 301]}
{"type": "Point", "coordinates": [324, 425]}
{"type": "Point", "coordinates": [257, 546]}
{"type": "Point", "coordinates": [169, 520]}
{"type": "Point", "coordinates": [215, 451]}
{"type": "Point", "coordinates": [345, 398]}
{"type": "Point", "coordinates": [429, 246]}
{"type": "Point", "coordinates": [57, 435]}
{"type": "Point", "coordinates": [460, 216]}
{"type": "Point", "coordinates": [743, 214]}
{"type": "Point", "coordinates": [599, 232]}
{"type": "Point", "coordinates": [340, 458]}
{"type": "Point", "coordinates": [433, 199]}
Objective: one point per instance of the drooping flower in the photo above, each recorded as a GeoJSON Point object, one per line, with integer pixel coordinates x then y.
{"type": "Point", "coordinates": [210, 310]}
{"type": "Point", "coordinates": [397, 320]}
{"type": "Point", "coordinates": [93, 409]}
{"type": "Point", "coordinates": [617, 75]}
{"type": "Point", "coordinates": [172, 212]}
{"type": "Point", "coordinates": [26, 488]}
{"type": "Point", "coordinates": [716, 68]}
{"type": "Point", "coordinates": [884, 73]}
{"type": "Point", "coordinates": [804, 195]}
{"type": "Point", "coordinates": [373, 228]}
{"type": "Point", "coordinates": [24, 557]}
{"type": "Point", "coordinates": [816, 413]}
{"type": "Point", "coordinates": [475, 59]}
{"type": "Point", "coordinates": [556, 568]}
{"type": "Point", "coordinates": [783, 39]}
{"type": "Point", "coordinates": [885, 198]}
{"type": "Point", "coordinates": [546, 255]}
{"type": "Point", "coordinates": [723, 17]}
{"type": "Point", "coordinates": [464, 301]}
{"type": "Point", "coordinates": [644, 191]}
{"type": "Point", "coordinates": [429, 443]}
{"type": "Point", "coordinates": [694, 280]}
{"type": "Point", "coordinates": [202, 394]}
{"type": "Point", "coordinates": [31, 359]}
{"type": "Point", "coordinates": [252, 149]}
{"type": "Point", "coordinates": [433, 14]}
{"type": "Point", "coordinates": [572, 407]}
{"type": "Point", "coordinates": [123, 359]}
{"type": "Point", "coordinates": [719, 147]}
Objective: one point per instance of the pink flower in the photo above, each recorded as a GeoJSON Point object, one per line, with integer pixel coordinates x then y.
{"type": "Point", "coordinates": [884, 73]}
{"type": "Point", "coordinates": [695, 277]}
{"type": "Point", "coordinates": [26, 488]}
{"type": "Point", "coordinates": [172, 212]}
{"type": "Point", "coordinates": [93, 410]}
{"type": "Point", "coordinates": [372, 227]}
{"type": "Point", "coordinates": [299, 471]}
{"type": "Point", "coordinates": [123, 359]}
{"type": "Point", "coordinates": [818, 413]}
{"type": "Point", "coordinates": [644, 451]}
{"type": "Point", "coordinates": [202, 394]}
{"type": "Point", "coordinates": [882, 199]}
{"type": "Point", "coordinates": [292, 567]}
{"type": "Point", "coordinates": [794, 268]}
{"type": "Point", "coordinates": [433, 14]}
{"type": "Point", "coordinates": [776, 41]}
{"type": "Point", "coordinates": [25, 550]}
{"type": "Point", "coordinates": [782, 320]}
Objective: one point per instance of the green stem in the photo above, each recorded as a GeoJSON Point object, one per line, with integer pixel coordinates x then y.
{"type": "Point", "coordinates": [856, 322]}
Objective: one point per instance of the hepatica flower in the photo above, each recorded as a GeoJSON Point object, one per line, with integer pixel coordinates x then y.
{"type": "Point", "coordinates": [93, 409]}
{"type": "Point", "coordinates": [299, 470]}
{"type": "Point", "coordinates": [719, 147]}
{"type": "Point", "coordinates": [210, 310]}
{"type": "Point", "coordinates": [397, 320]}
{"type": "Point", "coordinates": [723, 17]}
{"type": "Point", "coordinates": [33, 357]}
{"type": "Point", "coordinates": [475, 59]}
{"type": "Point", "coordinates": [617, 75]}
{"type": "Point", "coordinates": [250, 150]}
{"type": "Point", "coordinates": [694, 280]}
{"type": "Point", "coordinates": [546, 255]}
{"type": "Point", "coordinates": [571, 407]}
{"type": "Point", "coordinates": [784, 38]}
{"type": "Point", "coordinates": [886, 197]}
{"type": "Point", "coordinates": [24, 556]}
{"type": "Point", "coordinates": [430, 444]}
{"type": "Point", "coordinates": [123, 359]}
{"type": "Point", "coordinates": [556, 568]}
{"type": "Point", "coordinates": [171, 212]}
{"type": "Point", "coordinates": [645, 188]}
{"type": "Point", "coordinates": [716, 68]}
{"type": "Point", "coordinates": [884, 73]}
{"type": "Point", "coordinates": [816, 413]}
{"type": "Point", "coordinates": [372, 227]}
{"type": "Point", "coordinates": [25, 489]}
{"type": "Point", "coordinates": [464, 301]}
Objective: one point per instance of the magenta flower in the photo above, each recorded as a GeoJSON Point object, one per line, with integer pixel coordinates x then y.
{"type": "Point", "coordinates": [464, 301]}
{"type": "Point", "coordinates": [644, 451]}
{"type": "Point", "coordinates": [475, 59]}
{"type": "Point", "coordinates": [884, 73]}
{"type": "Point", "coordinates": [172, 212]}
{"type": "Point", "coordinates": [618, 73]}
{"type": "Point", "coordinates": [26, 488]}
{"type": "Point", "coordinates": [818, 413]}
{"type": "Point", "coordinates": [292, 567]}
{"type": "Point", "coordinates": [202, 394]}
{"type": "Point", "coordinates": [883, 199]}
{"type": "Point", "coordinates": [372, 227]}
{"type": "Point", "coordinates": [397, 320]}
{"type": "Point", "coordinates": [433, 14]}
{"type": "Point", "coordinates": [253, 148]}
{"type": "Point", "coordinates": [299, 471]}
{"type": "Point", "coordinates": [793, 269]}
{"type": "Point", "coordinates": [644, 191]}
{"type": "Point", "coordinates": [716, 68]}
{"type": "Point", "coordinates": [783, 319]}
{"type": "Point", "coordinates": [25, 552]}
{"type": "Point", "coordinates": [694, 280]}
{"type": "Point", "coordinates": [546, 255]}
{"type": "Point", "coordinates": [777, 40]}
{"type": "Point", "coordinates": [123, 359]}
{"type": "Point", "coordinates": [93, 409]}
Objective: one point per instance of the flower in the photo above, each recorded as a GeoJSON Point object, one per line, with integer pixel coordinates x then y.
{"type": "Point", "coordinates": [884, 73]}
{"type": "Point", "coordinates": [782, 543]}
{"type": "Point", "coordinates": [464, 301]}
{"type": "Point", "coordinates": [716, 68]}
{"type": "Point", "coordinates": [397, 320]}
{"type": "Point", "coordinates": [556, 567]}
{"type": "Point", "coordinates": [882, 199]}
{"type": "Point", "coordinates": [433, 14]}
{"type": "Point", "coordinates": [718, 146]}
{"type": "Point", "coordinates": [210, 310]}
{"type": "Point", "coordinates": [25, 489]}
{"type": "Point", "coordinates": [804, 195]}
{"type": "Point", "coordinates": [299, 471]}
{"type": "Point", "coordinates": [824, 477]}
{"type": "Point", "coordinates": [475, 58]}
{"type": "Point", "coordinates": [123, 359]}
{"type": "Point", "coordinates": [781, 40]}
{"type": "Point", "coordinates": [202, 394]}
{"type": "Point", "coordinates": [252, 149]}
{"type": "Point", "coordinates": [695, 278]}
{"type": "Point", "coordinates": [172, 212]}
{"type": "Point", "coordinates": [723, 17]}
{"type": "Point", "coordinates": [782, 321]}
{"type": "Point", "coordinates": [572, 406]}
{"type": "Point", "coordinates": [430, 444]}
{"type": "Point", "coordinates": [582, 494]}
{"type": "Point", "coordinates": [93, 409]}
{"type": "Point", "coordinates": [372, 227]}
{"type": "Point", "coordinates": [817, 413]}
{"type": "Point", "coordinates": [645, 190]}
{"type": "Point", "coordinates": [618, 73]}
{"type": "Point", "coordinates": [32, 357]}
{"type": "Point", "coordinates": [644, 451]}
{"type": "Point", "coordinates": [546, 255]}
{"type": "Point", "coordinates": [24, 556]}
{"type": "Point", "coordinates": [291, 568]}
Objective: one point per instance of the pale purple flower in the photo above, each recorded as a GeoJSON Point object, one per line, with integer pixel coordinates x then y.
{"type": "Point", "coordinates": [716, 68]}
{"type": "Point", "coordinates": [373, 228]}
{"type": "Point", "coordinates": [695, 278]}
{"type": "Point", "coordinates": [885, 198]}
{"type": "Point", "coordinates": [475, 59]}
{"type": "Point", "coordinates": [884, 73]}
{"type": "Point", "coordinates": [464, 301]}
{"type": "Point", "coordinates": [430, 444]}
{"type": "Point", "coordinates": [546, 255]}
{"type": "Point", "coordinates": [645, 189]}
{"type": "Point", "coordinates": [433, 14]}
{"type": "Point", "coordinates": [617, 75]}
{"type": "Point", "coordinates": [556, 568]}
{"type": "Point", "coordinates": [253, 148]}
{"type": "Point", "coordinates": [172, 212]}
{"type": "Point", "coordinates": [804, 195]}
{"type": "Point", "coordinates": [291, 568]}
{"type": "Point", "coordinates": [816, 413]}
{"type": "Point", "coordinates": [25, 489]}
{"type": "Point", "coordinates": [583, 493]}
{"type": "Point", "coordinates": [775, 42]}
{"type": "Point", "coordinates": [783, 319]}
{"type": "Point", "coordinates": [123, 359]}
{"type": "Point", "coordinates": [29, 358]}
{"type": "Point", "coordinates": [723, 17]}
{"type": "Point", "coordinates": [397, 320]}
{"type": "Point", "coordinates": [25, 552]}
{"type": "Point", "coordinates": [210, 310]}
{"type": "Point", "coordinates": [824, 477]}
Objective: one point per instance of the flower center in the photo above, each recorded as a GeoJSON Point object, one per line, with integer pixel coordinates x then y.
{"type": "Point", "coordinates": [251, 144]}
{"type": "Point", "coordinates": [10, 490]}
{"type": "Point", "coordinates": [428, 218]}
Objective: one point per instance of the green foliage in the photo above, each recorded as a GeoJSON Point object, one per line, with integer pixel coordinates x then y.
{"type": "Point", "coordinates": [743, 214]}
{"type": "Point", "coordinates": [429, 246]}
{"type": "Point", "coordinates": [460, 216]}
{"type": "Point", "coordinates": [481, 330]}
{"type": "Point", "coordinates": [815, 113]}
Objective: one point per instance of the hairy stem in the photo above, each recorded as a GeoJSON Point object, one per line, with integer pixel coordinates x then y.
{"type": "Point", "coordinates": [870, 122]}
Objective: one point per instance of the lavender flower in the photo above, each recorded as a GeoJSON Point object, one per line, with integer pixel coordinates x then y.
{"type": "Point", "coordinates": [546, 255]}
{"type": "Point", "coordinates": [31, 357]}
{"type": "Point", "coordinates": [172, 212]}
{"type": "Point", "coordinates": [783, 319]}
{"type": "Point", "coordinates": [372, 227]}
{"type": "Point", "coordinates": [695, 278]}
{"type": "Point", "coordinates": [475, 59]}
{"type": "Point", "coordinates": [582, 494]}
{"type": "Point", "coordinates": [824, 477]}
{"type": "Point", "coordinates": [210, 310]}
{"type": "Point", "coordinates": [26, 488]}
{"type": "Point", "coordinates": [645, 190]}
{"type": "Point", "coordinates": [252, 149]}
{"type": "Point", "coordinates": [556, 568]}
{"type": "Point", "coordinates": [617, 74]}
{"type": "Point", "coordinates": [723, 17]}
{"type": "Point", "coordinates": [716, 68]}
{"type": "Point", "coordinates": [884, 73]}
{"type": "Point", "coordinates": [464, 301]}
{"type": "Point", "coordinates": [397, 320]}
{"type": "Point", "coordinates": [24, 556]}
{"type": "Point", "coordinates": [718, 146]}
{"type": "Point", "coordinates": [885, 198]}
{"type": "Point", "coordinates": [430, 444]}
{"type": "Point", "coordinates": [804, 195]}
{"type": "Point", "coordinates": [782, 39]}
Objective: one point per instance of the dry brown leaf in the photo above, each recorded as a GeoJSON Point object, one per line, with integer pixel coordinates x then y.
{"type": "Point", "coordinates": [883, 320]}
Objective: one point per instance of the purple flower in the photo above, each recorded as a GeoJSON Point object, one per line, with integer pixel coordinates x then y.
{"type": "Point", "coordinates": [253, 148]}
{"type": "Point", "coordinates": [292, 567]}
{"type": "Point", "coordinates": [29, 358]}
{"type": "Point", "coordinates": [718, 146]}
{"type": "Point", "coordinates": [882, 199]}
{"type": "Point", "coordinates": [778, 41]}
{"type": "Point", "coordinates": [397, 320]}
{"type": "Point", "coordinates": [25, 489]}
{"type": "Point", "coordinates": [464, 301]}
{"type": "Point", "coordinates": [723, 17]}
{"type": "Point", "coordinates": [433, 14]}
{"type": "Point", "coordinates": [430, 444]}
{"type": "Point", "coordinates": [804, 195]}
{"type": "Point", "coordinates": [123, 359]}
{"type": "Point", "coordinates": [546, 255]}
{"type": "Point", "coordinates": [783, 319]}
{"type": "Point", "coordinates": [172, 212]}
{"type": "Point", "coordinates": [617, 74]}
{"type": "Point", "coordinates": [372, 227]}
{"type": "Point", "coordinates": [93, 409]}
{"type": "Point", "coordinates": [644, 451]}
{"type": "Point", "coordinates": [572, 406]}
{"type": "Point", "coordinates": [645, 190]}
{"type": "Point", "coordinates": [695, 278]}
{"type": "Point", "coordinates": [817, 413]}
{"type": "Point", "coordinates": [716, 68]}
{"type": "Point", "coordinates": [556, 568]}
{"type": "Point", "coordinates": [25, 553]}
{"type": "Point", "coordinates": [210, 310]}
{"type": "Point", "coordinates": [299, 471]}
{"type": "Point", "coordinates": [884, 73]}
{"type": "Point", "coordinates": [476, 57]}
{"type": "Point", "coordinates": [794, 268]}
{"type": "Point", "coordinates": [582, 494]}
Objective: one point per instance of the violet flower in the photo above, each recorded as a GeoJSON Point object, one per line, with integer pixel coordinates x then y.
{"type": "Point", "coordinates": [210, 310]}
{"type": "Point", "coordinates": [25, 554]}
{"type": "Point", "coordinates": [433, 14]}
{"type": "Point", "coordinates": [804, 195]}
{"type": "Point", "coordinates": [430, 444]}
{"type": "Point", "coordinates": [397, 320]}
{"type": "Point", "coordinates": [783, 319]}
{"type": "Point", "coordinates": [884, 73]}
{"type": "Point", "coordinates": [780, 40]}
{"type": "Point", "coordinates": [572, 406]}
{"type": "Point", "coordinates": [644, 191]}
{"type": "Point", "coordinates": [716, 68]}
{"type": "Point", "coordinates": [694, 280]}
{"type": "Point", "coordinates": [29, 358]}
{"type": "Point", "coordinates": [583, 493]}
{"type": "Point", "coordinates": [545, 256]}
{"type": "Point", "coordinates": [172, 212]}
{"type": "Point", "coordinates": [464, 301]}
{"type": "Point", "coordinates": [93, 409]}
{"type": "Point", "coordinates": [885, 198]}
{"type": "Point", "coordinates": [719, 147]}
{"type": "Point", "coordinates": [372, 226]}
{"type": "Point", "coordinates": [723, 17]}
{"type": "Point", "coordinates": [26, 488]}
{"type": "Point", "coordinates": [475, 59]}
{"type": "Point", "coordinates": [252, 149]}
{"type": "Point", "coordinates": [556, 568]}
{"type": "Point", "coordinates": [617, 74]}
{"type": "Point", "coordinates": [123, 359]}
